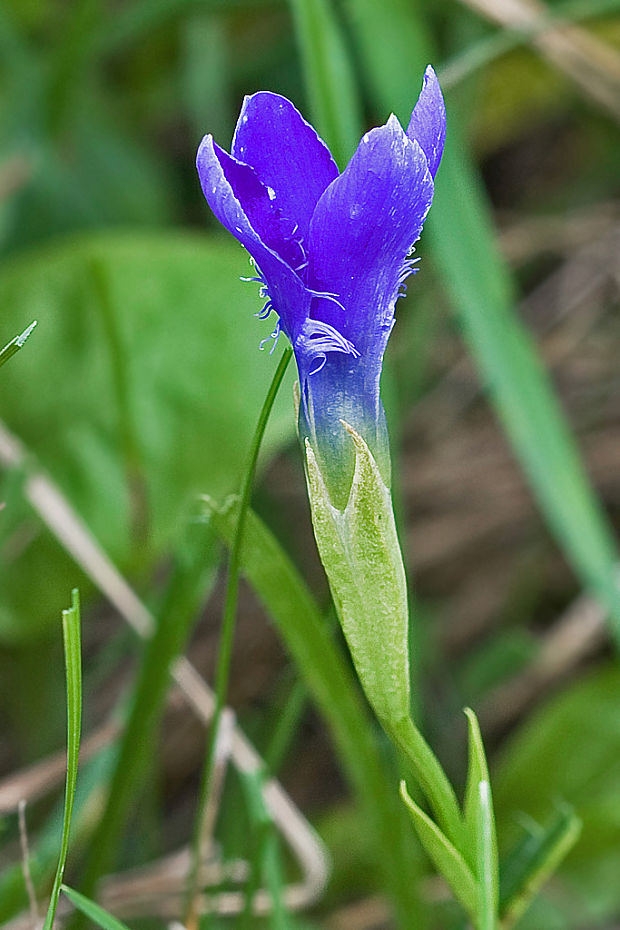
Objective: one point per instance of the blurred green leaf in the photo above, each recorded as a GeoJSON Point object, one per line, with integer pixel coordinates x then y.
{"type": "Point", "coordinates": [185, 325]}
{"type": "Point", "coordinates": [92, 910]}
{"type": "Point", "coordinates": [447, 860]}
{"type": "Point", "coordinates": [533, 861]}
{"type": "Point", "coordinates": [570, 750]}
{"type": "Point", "coordinates": [330, 83]}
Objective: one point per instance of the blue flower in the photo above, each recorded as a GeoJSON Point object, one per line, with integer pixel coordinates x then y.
{"type": "Point", "coordinates": [331, 250]}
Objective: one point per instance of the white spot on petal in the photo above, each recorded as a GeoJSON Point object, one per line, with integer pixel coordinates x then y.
{"type": "Point", "coordinates": [272, 193]}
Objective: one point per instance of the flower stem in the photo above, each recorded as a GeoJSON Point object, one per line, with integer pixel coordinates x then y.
{"type": "Point", "coordinates": [225, 648]}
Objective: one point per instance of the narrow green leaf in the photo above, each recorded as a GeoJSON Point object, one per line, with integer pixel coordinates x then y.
{"type": "Point", "coordinates": [487, 867]}
{"type": "Point", "coordinates": [15, 344]}
{"type": "Point", "coordinates": [533, 861]}
{"type": "Point", "coordinates": [481, 844]}
{"type": "Point", "coordinates": [477, 772]}
{"type": "Point", "coordinates": [331, 683]}
{"type": "Point", "coordinates": [329, 78]}
{"type": "Point", "coordinates": [94, 911]}
{"type": "Point", "coordinates": [395, 46]}
{"type": "Point", "coordinates": [73, 665]}
{"type": "Point", "coordinates": [447, 859]}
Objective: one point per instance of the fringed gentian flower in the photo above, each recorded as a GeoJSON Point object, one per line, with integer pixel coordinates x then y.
{"type": "Point", "coordinates": [332, 252]}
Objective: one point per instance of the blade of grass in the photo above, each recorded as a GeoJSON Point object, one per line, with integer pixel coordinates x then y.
{"type": "Point", "coordinates": [534, 860]}
{"type": "Point", "coordinates": [331, 683]}
{"type": "Point", "coordinates": [327, 67]}
{"type": "Point", "coordinates": [227, 634]}
{"type": "Point", "coordinates": [15, 344]}
{"type": "Point", "coordinates": [395, 46]}
{"type": "Point", "coordinates": [93, 911]}
{"type": "Point", "coordinates": [73, 664]}
{"type": "Point", "coordinates": [266, 861]}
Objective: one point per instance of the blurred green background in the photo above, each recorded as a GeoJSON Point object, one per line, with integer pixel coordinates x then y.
{"type": "Point", "coordinates": [141, 386]}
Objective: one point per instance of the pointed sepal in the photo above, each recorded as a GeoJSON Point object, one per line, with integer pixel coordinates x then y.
{"type": "Point", "coordinates": [447, 859]}
{"type": "Point", "coordinates": [361, 554]}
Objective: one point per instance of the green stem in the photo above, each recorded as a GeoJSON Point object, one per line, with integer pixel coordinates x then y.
{"type": "Point", "coordinates": [226, 642]}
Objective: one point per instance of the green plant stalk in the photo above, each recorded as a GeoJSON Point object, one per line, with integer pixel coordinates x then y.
{"type": "Point", "coordinates": [334, 689]}
{"type": "Point", "coordinates": [226, 641]}
{"type": "Point", "coordinates": [192, 576]}
{"type": "Point", "coordinates": [73, 665]}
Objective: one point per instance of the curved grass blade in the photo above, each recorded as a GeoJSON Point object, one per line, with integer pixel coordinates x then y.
{"type": "Point", "coordinates": [93, 911]}
{"type": "Point", "coordinates": [73, 664]}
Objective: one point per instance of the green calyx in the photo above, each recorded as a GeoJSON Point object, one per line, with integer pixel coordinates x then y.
{"type": "Point", "coordinates": [359, 548]}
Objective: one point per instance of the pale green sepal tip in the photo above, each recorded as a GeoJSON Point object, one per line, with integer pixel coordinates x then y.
{"type": "Point", "coordinates": [361, 554]}
{"type": "Point", "coordinates": [445, 856]}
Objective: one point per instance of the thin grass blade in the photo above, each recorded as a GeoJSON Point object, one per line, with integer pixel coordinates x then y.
{"type": "Point", "coordinates": [15, 344]}
{"type": "Point", "coordinates": [73, 664]}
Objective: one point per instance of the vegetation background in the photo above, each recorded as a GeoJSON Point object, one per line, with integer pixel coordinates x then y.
{"type": "Point", "coordinates": [142, 384]}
